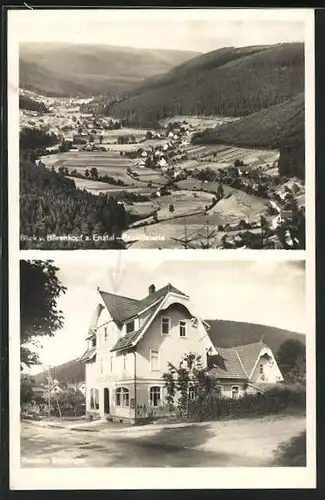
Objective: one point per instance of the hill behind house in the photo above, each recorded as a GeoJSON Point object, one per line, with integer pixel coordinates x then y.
{"type": "Point", "coordinates": [223, 334]}
{"type": "Point", "coordinates": [69, 372]}
{"type": "Point", "coordinates": [59, 69]}
{"type": "Point", "coordinates": [229, 82]}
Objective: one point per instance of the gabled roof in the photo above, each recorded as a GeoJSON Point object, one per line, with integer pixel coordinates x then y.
{"type": "Point", "coordinates": [153, 300]}
{"type": "Point", "coordinates": [130, 338]}
{"type": "Point", "coordinates": [120, 308]}
{"type": "Point", "coordinates": [123, 308]}
{"type": "Point", "coordinates": [235, 362]}
{"type": "Point", "coordinates": [226, 364]}
{"type": "Point", "coordinates": [249, 353]}
{"type": "Point", "coordinates": [159, 294]}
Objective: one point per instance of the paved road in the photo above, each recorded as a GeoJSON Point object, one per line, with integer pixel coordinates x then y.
{"type": "Point", "coordinates": [218, 444]}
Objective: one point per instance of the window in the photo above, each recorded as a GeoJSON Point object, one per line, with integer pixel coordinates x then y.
{"type": "Point", "coordinates": [105, 333]}
{"type": "Point", "coordinates": [165, 326]}
{"type": "Point", "coordinates": [122, 397]}
{"type": "Point", "coordinates": [130, 326]}
{"type": "Point", "coordinates": [124, 362]}
{"type": "Point", "coordinates": [235, 392]}
{"type": "Point", "coordinates": [191, 392]}
{"type": "Point", "coordinates": [93, 342]}
{"type": "Point", "coordinates": [94, 399]}
{"type": "Point", "coordinates": [154, 360]}
{"type": "Point", "coordinates": [182, 328]}
{"type": "Point", "coordinates": [155, 396]}
{"type": "Point", "coordinates": [261, 369]}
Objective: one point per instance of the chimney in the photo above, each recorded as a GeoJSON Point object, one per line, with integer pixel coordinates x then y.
{"type": "Point", "coordinates": [152, 289]}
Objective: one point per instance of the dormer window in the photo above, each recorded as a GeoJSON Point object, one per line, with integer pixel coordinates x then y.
{"type": "Point", "coordinates": [130, 326]}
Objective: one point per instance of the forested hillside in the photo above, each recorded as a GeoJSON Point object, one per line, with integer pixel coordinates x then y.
{"type": "Point", "coordinates": [70, 372]}
{"type": "Point", "coordinates": [61, 69]}
{"type": "Point", "coordinates": [228, 82]}
{"type": "Point", "coordinates": [281, 126]}
{"type": "Point", "coordinates": [30, 104]}
{"type": "Point", "coordinates": [267, 128]}
{"type": "Point", "coordinates": [226, 333]}
{"type": "Point", "coordinates": [51, 204]}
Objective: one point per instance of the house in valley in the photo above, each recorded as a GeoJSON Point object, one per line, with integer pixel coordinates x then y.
{"type": "Point", "coordinates": [245, 369]}
{"type": "Point", "coordinates": [131, 341]}
{"type": "Point", "coordinates": [130, 344]}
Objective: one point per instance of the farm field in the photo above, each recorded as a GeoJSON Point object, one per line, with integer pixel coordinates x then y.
{"type": "Point", "coordinates": [161, 235]}
{"type": "Point", "coordinates": [107, 163]}
{"type": "Point", "coordinates": [238, 205]}
{"type": "Point", "coordinates": [97, 187]}
{"type": "Point", "coordinates": [226, 155]}
{"type": "Point", "coordinates": [199, 121]}
{"type": "Point", "coordinates": [183, 202]}
{"type": "Point", "coordinates": [112, 135]}
{"type": "Point", "coordinates": [146, 175]}
{"type": "Point", "coordinates": [230, 210]}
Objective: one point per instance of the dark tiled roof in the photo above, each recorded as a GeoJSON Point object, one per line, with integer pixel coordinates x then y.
{"type": "Point", "coordinates": [130, 338]}
{"type": "Point", "coordinates": [153, 297]}
{"type": "Point", "coordinates": [124, 308]}
{"type": "Point", "coordinates": [120, 308]}
{"type": "Point", "coordinates": [226, 364]}
{"type": "Point", "coordinates": [235, 362]}
{"type": "Point", "coordinates": [249, 353]}
{"type": "Point", "coordinates": [88, 355]}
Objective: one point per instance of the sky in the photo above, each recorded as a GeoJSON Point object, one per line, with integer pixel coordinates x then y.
{"type": "Point", "coordinates": [258, 291]}
{"type": "Point", "coordinates": [200, 30]}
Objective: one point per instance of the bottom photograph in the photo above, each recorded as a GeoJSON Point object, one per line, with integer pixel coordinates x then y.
{"type": "Point", "coordinates": [162, 362]}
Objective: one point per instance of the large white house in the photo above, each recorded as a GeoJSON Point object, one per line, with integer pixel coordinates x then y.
{"type": "Point", "coordinates": [131, 341]}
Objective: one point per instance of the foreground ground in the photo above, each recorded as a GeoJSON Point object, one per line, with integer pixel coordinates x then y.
{"type": "Point", "coordinates": [236, 443]}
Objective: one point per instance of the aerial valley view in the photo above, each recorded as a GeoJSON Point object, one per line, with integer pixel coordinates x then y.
{"type": "Point", "coordinates": [174, 150]}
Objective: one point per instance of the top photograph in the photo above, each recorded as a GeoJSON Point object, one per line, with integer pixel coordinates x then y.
{"type": "Point", "coordinates": [160, 129]}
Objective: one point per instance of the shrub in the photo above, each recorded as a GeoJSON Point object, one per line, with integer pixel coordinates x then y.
{"type": "Point", "coordinates": [276, 400]}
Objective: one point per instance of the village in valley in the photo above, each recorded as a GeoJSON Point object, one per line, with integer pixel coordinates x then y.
{"type": "Point", "coordinates": [176, 192]}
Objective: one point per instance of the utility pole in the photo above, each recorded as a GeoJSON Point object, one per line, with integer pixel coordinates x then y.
{"type": "Point", "coordinates": [49, 391]}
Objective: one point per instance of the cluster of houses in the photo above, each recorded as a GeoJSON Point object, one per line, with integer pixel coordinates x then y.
{"type": "Point", "coordinates": [162, 156]}
{"type": "Point", "coordinates": [130, 343]}
{"type": "Point", "coordinates": [54, 387]}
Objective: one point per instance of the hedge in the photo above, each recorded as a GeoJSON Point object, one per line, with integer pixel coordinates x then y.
{"type": "Point", "coordinates": [276, 400]}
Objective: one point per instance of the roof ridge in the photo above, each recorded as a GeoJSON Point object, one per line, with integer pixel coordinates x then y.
{"type": "Point", "coordinates": [120, 296]}
{"type": "Point", "coordinates": [241, 363]}
{"type": "Point", "coordinates": [258, 342]}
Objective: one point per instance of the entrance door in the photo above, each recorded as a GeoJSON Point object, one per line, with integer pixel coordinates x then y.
{"type": "Point", "coordinates": [106, 401]}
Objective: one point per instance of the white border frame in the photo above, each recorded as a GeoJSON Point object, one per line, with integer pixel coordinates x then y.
{"type": "Point", "coordinates": [156, 478]}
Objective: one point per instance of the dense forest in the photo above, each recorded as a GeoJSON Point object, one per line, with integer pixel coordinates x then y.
{"type": "Point", "coordinates": [51, 204]}
{"type": "Point", "coordinates": [35, 138]}
{"type": "Point", "coordinates": [228, 82]}
{"type": "Point", "coordinates": [29, 104]}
